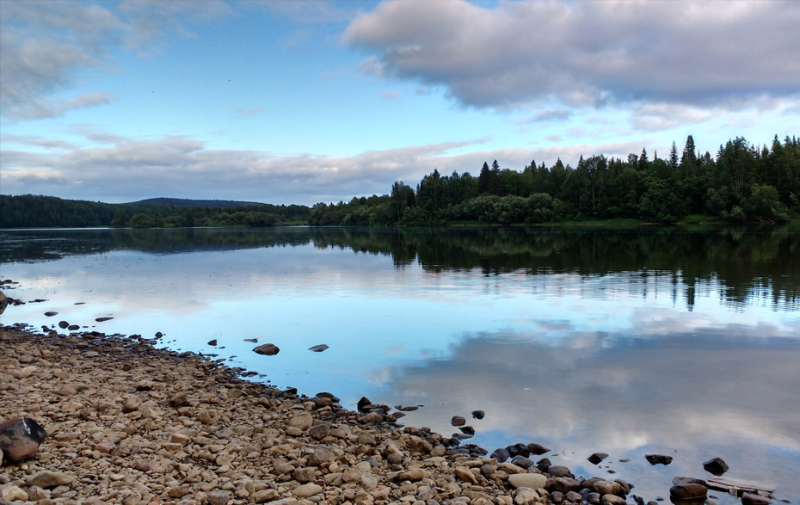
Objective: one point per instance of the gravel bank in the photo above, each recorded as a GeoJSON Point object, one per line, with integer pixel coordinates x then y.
{"type": "Point", "coordinates": [131, 424]}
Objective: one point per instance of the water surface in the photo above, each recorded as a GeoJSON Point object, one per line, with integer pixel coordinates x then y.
{"type": "Point", "coordinates": [659, 340]}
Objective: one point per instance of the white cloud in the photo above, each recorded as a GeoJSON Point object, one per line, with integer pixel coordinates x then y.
{"type": "Point", "coordinates": [45, 46]}
{"type": "Point", "coordinates": [514, 54]}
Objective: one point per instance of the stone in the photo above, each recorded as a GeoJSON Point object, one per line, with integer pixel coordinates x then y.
{"type": "Point", "coordinates": [131, 403]}
{"type": "Point", "coordinates": [458, 421]}
{"type": "Point", "coordinates": [755, 499]}
{"type": "Point", "coordinates": [9, 492]}
{"type": "Point", "coordinates": [612, 499]}
{"type": "Point", "coordinates": [318, 348]}
{"type": "Point", "coordinates": [658, 459]}
{"type": "Point", "coordinates": [531, 480]}
{"type": "Point", "coordinates": [63, 325]}
{"type": "Point", "coordinates": [307, 490]}
{"type": "Point", "coordinates": [263, 495]}
{"type": "Point", "coordinates": [688, 491]}
{"type": "Point", "coordinates": [522, 462]}
{"type": "Point", "coordinates": [537, 449]}
{"type": "Point", "coordinates": [20, 438]}
{"type": "Point", "coordinates": [179, 491]}
{"type": "Point", "coordinates": [47, 479]}
{"type": "Point", "coordinates": [50, 313]}
{"type": "Point", "coordinates": [371, 418]}
{"type": "Point", "coordinates": [214, 342]}
{"type": "Point", "coordinates": [413, 475]}
{"type": "Point", "coordinates": [525, 496]}
{"type": "Point", "coordinates": [566, 484]}
{"type": "Point", "coordinates": [301, 421]}
{"type": "Point", "coordinates": [320, 456]}
{"type": "Point", "coordinates": [500, 455]}
{"type": "Point", "coordinates": [559, 471]}
{"type": "Point", "coordinates": [179, 399]}
{"type": "Point", "coordinates": [363, 402]}
{"type": "Point", "coordinates": [716, 466]}
{"type": "Point", "coordinates": [605, 487]}
{"type": "Point", "coordinates": [464, 474]}
{"type": "Point", "coordinates": [478, 414]}
{"type": "Point", "coordinates": [597, 457]}
{"type": "Point", "coordinates": [102, 319]}
{"type": "Point", "coordinates": [320, 431]}
{"type": "Point", "coordinates": [267, 349]}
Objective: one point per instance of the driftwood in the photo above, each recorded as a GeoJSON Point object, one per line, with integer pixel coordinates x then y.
{"type": "Point", "coordinates": [737, 487]}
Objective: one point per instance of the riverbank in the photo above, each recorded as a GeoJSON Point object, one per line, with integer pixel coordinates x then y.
{"type": "Point", "coordinates": [128, 423]}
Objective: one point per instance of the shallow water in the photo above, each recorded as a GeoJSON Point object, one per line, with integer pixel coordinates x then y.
{"type": "Point", "coordinates": [674, 341]}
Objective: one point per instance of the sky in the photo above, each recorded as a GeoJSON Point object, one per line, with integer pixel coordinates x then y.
{"type": "Point", "coordinates": [319, 101]}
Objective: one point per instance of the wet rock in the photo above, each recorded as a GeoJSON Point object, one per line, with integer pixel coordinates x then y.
{"type": "Point", "coordinates": [478, 414]}
{"type": "Point", "coordinates": [543, 464]}
{"type": "Point", "coordinates": [537, 449]}
{"type": "Point", "coordinates": [688, 491]}
{"type": "Point", "coordinates": [605, 487]}
{"type": "Point", "coordinates": [531, 480]}
{"type": "Point", "coordinates": [612, 499]}
{"type": "Point", "coordinates": [73, 327]}
{"type": "Point", "coordinates": [253, 340]}
{"type": "Point", "coordinates": [522, 462]}
{"type": "Point", "coordinates": [103, 319]}
{"type": "Point", "coordinates": [267, 349]}
{"type": "Point", "coordinates": [50, 313]}
{"type": "Point", "coordinates": [658, 459]}
{"type": "Point", "coordinates": [597, 457]}
{"type": "Point", "coordinates": [63, 325]}
{"type": "Point", "coordinates": [318, 348]}
{"type": "Point", "coordinates": [559, 471]}
{"type": "Point", "coordinates": [754, 499]}
{"type": "Point", "coordinates": [4, 301]}
{"type": "Point", "coordinates": [46, 479]}
{"type": "Point", "coordinates": [458, 421]}
{"type": "Point", "coordinates": [500, 455]}
{"type": "Point", "coordinates": [362, 403]}
{"type": "Point", "coordinates": [716, 466]}
{"type": "Point", "coordinates": [214, 342]}
{"type": "Point", "coordinates": [20, 438]}
{"type": "Point", "coordinates": [467, 430]}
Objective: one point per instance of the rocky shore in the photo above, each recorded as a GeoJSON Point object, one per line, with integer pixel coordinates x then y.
{"type": "Point", "coordinates": [131, 424]}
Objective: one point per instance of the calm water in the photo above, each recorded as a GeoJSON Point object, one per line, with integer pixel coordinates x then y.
{"type": "Point", "coordinates": [661, 340]}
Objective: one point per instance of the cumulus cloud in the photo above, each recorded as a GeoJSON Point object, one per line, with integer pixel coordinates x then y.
{"type": "Point", "coordinates": [513, 54]}
{"type": "Point", "coordinates": [45, 46]}
{"type": "Point", "coordinates": [124, 169]}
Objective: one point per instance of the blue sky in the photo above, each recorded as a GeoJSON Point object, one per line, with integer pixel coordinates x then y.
{"type": "Point", "coordinates": [300, 102]}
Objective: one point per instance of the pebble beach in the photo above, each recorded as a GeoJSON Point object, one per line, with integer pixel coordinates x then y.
{"type": "Point", "coordinates": [131, 424]}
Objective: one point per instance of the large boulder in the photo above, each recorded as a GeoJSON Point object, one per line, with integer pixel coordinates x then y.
{"type": "Point", "coordinates": [20, 438]}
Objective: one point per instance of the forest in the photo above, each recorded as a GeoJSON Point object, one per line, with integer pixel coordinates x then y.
{"type": "Point", "coordinates": [740, 183]}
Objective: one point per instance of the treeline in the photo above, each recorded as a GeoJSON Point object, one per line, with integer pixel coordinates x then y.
{"type": "Point", "coordinates": [740, 183]}
{"type": "Point", "coordinates": [30, 211]}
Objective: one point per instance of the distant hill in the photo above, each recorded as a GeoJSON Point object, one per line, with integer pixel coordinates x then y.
{"type": "Point", "coordinates": [182, 202]}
